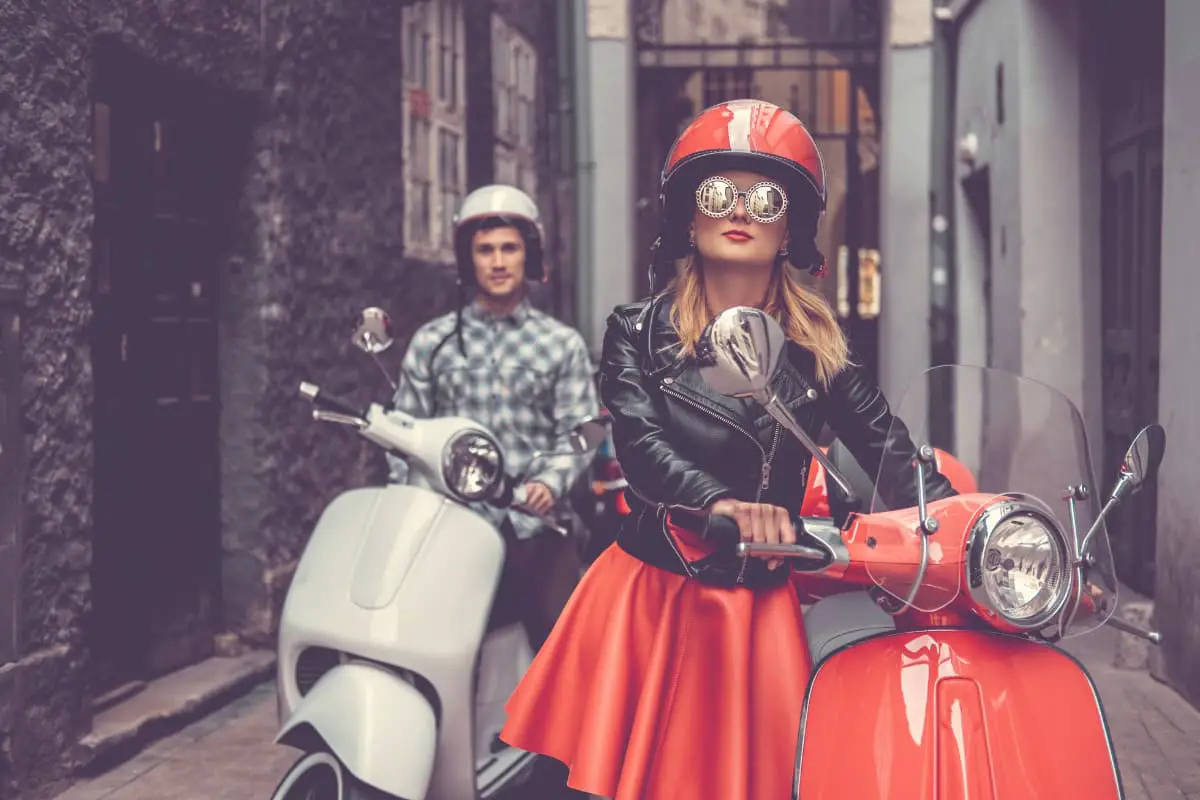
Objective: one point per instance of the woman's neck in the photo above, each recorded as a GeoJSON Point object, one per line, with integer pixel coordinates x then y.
{"type": "Point", "coordinates": [726, 288]}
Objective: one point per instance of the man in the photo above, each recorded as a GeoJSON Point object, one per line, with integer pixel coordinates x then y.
{"type": "Point", "coordinates": [521, 373]}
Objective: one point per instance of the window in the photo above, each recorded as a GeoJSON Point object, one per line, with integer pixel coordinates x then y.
{"type": "Point", "coordinates": [515, 72]}
{"type": "Point", "coordinates": [434, 176]}
{"type": "Point", "coordinates": [449, 179]}
{"type": "Point", "coordinates": [449, 54]}
{"type": "Point", "coordinates": [727, 84]}
{"type": "Point", "coordinates": [420, 178]}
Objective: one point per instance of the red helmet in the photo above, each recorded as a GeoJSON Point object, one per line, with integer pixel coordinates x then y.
{"type": "Point", "coordinates": [754, 136]}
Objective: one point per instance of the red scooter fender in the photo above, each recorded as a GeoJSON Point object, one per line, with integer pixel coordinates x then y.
{"type": "Point", "coordinates": [953, 714]}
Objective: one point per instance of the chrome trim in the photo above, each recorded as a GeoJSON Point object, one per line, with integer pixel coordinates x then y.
{"type": "Point", "coordinates": [448, 449]}
{"type": "Point", "coordinates": [1006, 506]}
{"type": "Point", "coordinates": [829, 535]}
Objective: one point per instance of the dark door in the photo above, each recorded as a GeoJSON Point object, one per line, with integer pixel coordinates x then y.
{"type": "Point", "coordinates": [1132, 105]}
{"type": "Point", "coordinates": [166, 171]}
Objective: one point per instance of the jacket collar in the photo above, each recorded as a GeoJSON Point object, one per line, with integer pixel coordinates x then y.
{"type": "Point", "coordinates": [519, 315]}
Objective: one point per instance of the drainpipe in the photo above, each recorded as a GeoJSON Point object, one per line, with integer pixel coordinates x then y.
{"type": "Point", "coordinates": [585, 172]}
{"type": "Point", "coordinates": [942, 297]}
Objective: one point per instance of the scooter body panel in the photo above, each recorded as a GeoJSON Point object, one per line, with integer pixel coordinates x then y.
{"type": "Point", "coordinates": [953, 715]}
{"type": "Point", "coordinates": [405, 577]}
{"type": "Point", "coordinates": [381, 727]}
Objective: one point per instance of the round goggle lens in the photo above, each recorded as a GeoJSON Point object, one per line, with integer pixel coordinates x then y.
{"type": "Point", "coordinates": [717, 197]}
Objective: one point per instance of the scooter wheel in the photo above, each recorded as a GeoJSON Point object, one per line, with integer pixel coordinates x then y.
{"type": "Point", "coordinates": [357, 790]}
{"type": "Point", "coordinates": [320, 776]}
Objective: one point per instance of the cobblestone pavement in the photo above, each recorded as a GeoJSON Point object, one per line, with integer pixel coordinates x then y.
{"type": "Point", "coordinates": [229, 755]}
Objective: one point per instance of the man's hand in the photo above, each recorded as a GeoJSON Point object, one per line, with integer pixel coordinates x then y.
{"type": "Point", "coordinates": [538, 497]}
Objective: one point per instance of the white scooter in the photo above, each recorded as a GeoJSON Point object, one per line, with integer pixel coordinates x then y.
{"type": "Point", "coordinates": [388, 679]}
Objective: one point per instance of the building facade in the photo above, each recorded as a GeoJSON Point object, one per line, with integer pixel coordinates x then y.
{"type": "Point", "coordinates": [1059, 240]}
{"type": "Point", "coordinates": [195, 201]}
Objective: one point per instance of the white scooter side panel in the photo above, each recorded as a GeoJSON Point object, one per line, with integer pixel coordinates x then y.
{"type": "Point", "coordinates": [378, 725]}
{"type": "Point", "coordinates": [406, 577]}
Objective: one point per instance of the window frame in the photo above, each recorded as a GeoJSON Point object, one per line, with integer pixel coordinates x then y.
{"type": "Point", "coordinates": [434, 118]}
{"type": "Point", "coordinates": [515, 94]}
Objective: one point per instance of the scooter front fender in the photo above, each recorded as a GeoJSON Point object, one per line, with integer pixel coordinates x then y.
{"type": "Point", "coordinates": [380, 726]}
{"type": "Point", "coordinates": [953, 715]}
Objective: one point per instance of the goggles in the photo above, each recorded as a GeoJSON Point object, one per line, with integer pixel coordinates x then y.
{"type": "Point", "coordinates": [717, 197]}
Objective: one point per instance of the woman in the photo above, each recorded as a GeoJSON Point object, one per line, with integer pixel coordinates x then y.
{"type": "Point", "coordinates": [678, 670]}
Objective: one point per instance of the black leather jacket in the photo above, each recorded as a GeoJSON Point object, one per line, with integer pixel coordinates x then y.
{"type": "Point", "coordinates": [683, 446]}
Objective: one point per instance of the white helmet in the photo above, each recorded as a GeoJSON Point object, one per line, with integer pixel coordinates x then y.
{"type": "Point", "coordinates": [498, 202]}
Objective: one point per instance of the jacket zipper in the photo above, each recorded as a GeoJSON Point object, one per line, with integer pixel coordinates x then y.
{"type": "Point", "coordinates": [678, 395]}
{"type": "Point", "coordinates": [767, 458]}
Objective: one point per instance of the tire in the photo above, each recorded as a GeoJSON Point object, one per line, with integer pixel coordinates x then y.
{"type": "Point", "coordinates": [357, 790]}
{"type": "Point", "coordinates": [320, 776]}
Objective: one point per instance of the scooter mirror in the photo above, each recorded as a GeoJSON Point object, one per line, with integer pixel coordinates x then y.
{"type": "Point", "coordinates": [373, 333]}
{"type": "Point", "coordinates": [1143, 458]}
{"type": "Point", "coordinates": [740, 351]}
{"type": "Point", "coordinates": [589, 434]}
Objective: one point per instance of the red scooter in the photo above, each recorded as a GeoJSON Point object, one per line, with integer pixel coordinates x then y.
{"type": "Point", "coordinates": [953, 690]}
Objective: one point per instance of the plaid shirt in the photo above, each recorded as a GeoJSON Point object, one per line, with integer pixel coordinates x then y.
{"type": "Point", "coordinates": [527, 377]}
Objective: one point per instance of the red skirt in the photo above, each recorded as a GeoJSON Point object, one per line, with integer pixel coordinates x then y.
{"type": "Point", "coordinates": [653, 686]}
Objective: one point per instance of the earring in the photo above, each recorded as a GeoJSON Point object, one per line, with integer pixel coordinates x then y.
{"type": "Point", "coordinates": [691, 239]}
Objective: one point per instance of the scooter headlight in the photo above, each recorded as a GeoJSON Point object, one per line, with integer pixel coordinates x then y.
{"type": "Point", "coordinates": [472, 465]}
{"type": "Point", "coordinates": [1019, 564]}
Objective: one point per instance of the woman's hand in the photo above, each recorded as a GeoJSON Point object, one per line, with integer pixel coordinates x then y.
{"type": "Point", "coordinates": [759, 522]}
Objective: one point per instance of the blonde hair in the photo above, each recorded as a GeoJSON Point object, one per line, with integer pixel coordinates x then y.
{"type": "Point", "coordinates": [805, 316]}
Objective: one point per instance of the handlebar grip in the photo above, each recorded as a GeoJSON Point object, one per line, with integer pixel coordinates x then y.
{"type": "Point", "coordinates": [504, 496]}
{"type": "Point", "coordinates": [328, 402]}
{"type": "Point", "coordinates": [724, 530]}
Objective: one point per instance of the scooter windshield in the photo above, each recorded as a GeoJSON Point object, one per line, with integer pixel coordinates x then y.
{"type": "Point", "coordinates": [1015, 540]}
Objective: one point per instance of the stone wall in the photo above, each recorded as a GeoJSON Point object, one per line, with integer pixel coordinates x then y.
{"type": "Point", "coordinates": [45, 217]}
{"type": "Point", "coordinates": [319, 237]}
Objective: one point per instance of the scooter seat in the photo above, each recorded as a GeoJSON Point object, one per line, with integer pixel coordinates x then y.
{"type": "Point", "coordinates": [842, 619]}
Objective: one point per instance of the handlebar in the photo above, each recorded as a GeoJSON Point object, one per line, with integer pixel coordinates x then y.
{"type": "Point", "coordinates": [511, 495]}
{"type": "Point", "coordinates": [724, 530]}
{"type": "Point", "coordinates": [325, 401]}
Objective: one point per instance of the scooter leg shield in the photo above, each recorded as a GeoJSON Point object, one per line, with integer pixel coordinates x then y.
{"type": "Point", "coordinates": [380, 726]}
{"type": "Point", "coordinates": [953, 714]}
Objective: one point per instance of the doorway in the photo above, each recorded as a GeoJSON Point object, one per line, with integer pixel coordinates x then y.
{"type": "Point", "coordinates": [169, 154]}
{"type": "Point", "coordinates": [1131, 240]}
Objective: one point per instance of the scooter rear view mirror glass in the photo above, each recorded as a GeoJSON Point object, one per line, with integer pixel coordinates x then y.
{"type": "Point", "coordinates": [1144, 456]}
{"type": "Point", "coordinates": [740, 351]}
{"type": "Point", "coordinates": [373, 332]}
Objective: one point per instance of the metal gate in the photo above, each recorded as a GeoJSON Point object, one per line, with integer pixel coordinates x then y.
{"type": "Point", "coordinates": [1131, 202]}
{"type": "Point", "coordinates": [817, 58]}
